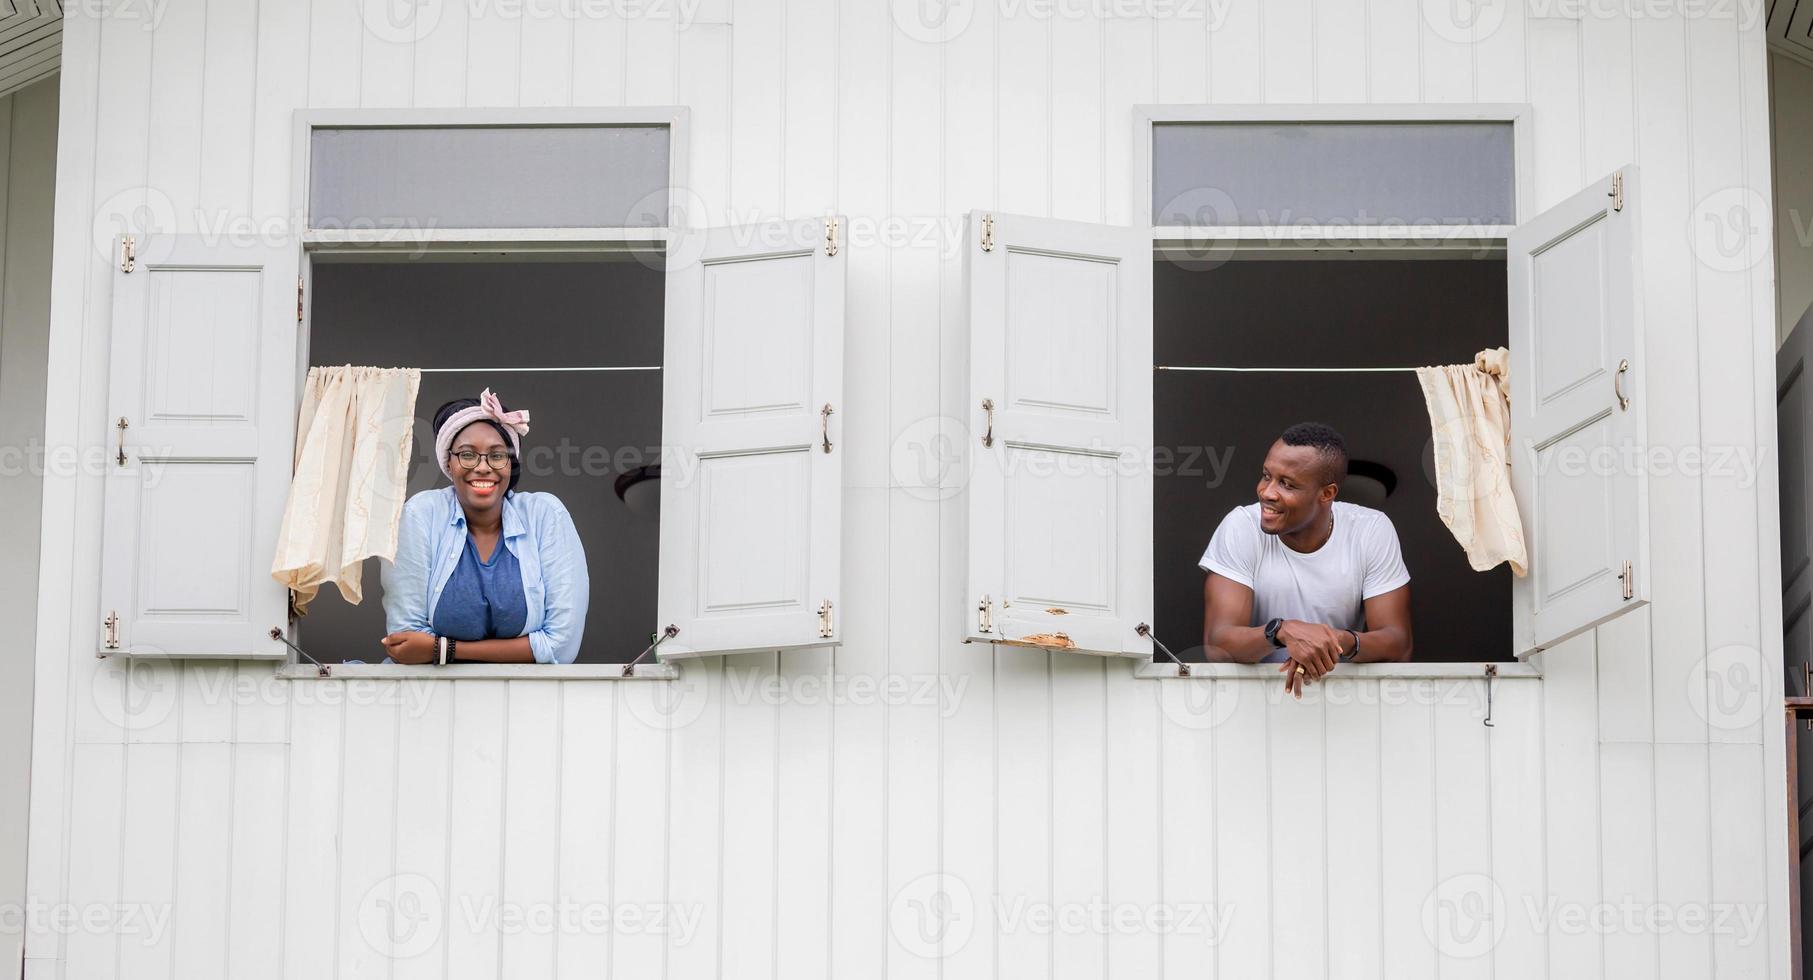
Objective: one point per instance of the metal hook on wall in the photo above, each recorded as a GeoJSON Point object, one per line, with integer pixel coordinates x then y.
{"type": "Point", "coordinates": [1491, 673]}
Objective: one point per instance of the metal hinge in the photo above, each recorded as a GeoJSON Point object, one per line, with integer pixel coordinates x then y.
{"type": "Point", "coordinates": [985, 621]}
{"type": "Point", "coordinates": [1630, 582]}
{"type": "Point", "coordinates": [1617, 194]}
{"type": "Point", "coordinates": [988, 233]}
{"type": "Point", "coordinates": [112, 622]}
{"type": "Point", "coordinates": [128, 249]}
{"type": "Point", "coordinates": [831, 236]}
{"type": "Point", "coordinates": [824, 619]}
{"type": "Point", "coordinates": [299, 288]}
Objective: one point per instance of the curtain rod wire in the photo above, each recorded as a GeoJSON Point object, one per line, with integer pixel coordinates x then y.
{"type": "Point", "coordinates": [502, 370]}
{"type": "Point", "coordinates": [1290, 370]}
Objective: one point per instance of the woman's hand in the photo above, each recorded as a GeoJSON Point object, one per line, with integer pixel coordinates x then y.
{"type": "Point", "coordinates": [410, 647]}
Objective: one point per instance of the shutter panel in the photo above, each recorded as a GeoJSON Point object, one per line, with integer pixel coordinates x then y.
{"type": "Point", "coordinates": [1794, 438]}
{"type": "Point", "coordinates": [204, 374]}
{"type": "Point", "coordinates": [751, 491]}
{"type": "Point", "coordinates": [1060, 495]}
{"type": "Point", "coordinates": [1577, 412]}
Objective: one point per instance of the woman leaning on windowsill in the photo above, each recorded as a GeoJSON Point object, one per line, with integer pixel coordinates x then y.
{"type": "Point", "coordinates": [484, 572]}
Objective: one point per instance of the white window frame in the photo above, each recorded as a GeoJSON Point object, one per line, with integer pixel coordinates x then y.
{"type": "Point", "coordinates": [676, 118]}
{"type": "Point", "coordinates": [1418, 239]}
{"type": "Point", "coordinates": [391, 241]}
{"type": "Point", "coordinates": [1390, 241]}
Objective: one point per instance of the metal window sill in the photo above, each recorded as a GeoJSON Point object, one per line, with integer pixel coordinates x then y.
{"type": "Point", "coordinates": [1507, 670]}
{"type": "Point", "coordinates": [477, 672]}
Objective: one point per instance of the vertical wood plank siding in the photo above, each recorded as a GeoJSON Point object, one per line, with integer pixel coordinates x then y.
{"type": "Point", "coordinates": [812, 814]}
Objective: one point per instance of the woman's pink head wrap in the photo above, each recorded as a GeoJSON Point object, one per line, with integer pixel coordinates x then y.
{"type": "Point", "coordinates": [489, 409]}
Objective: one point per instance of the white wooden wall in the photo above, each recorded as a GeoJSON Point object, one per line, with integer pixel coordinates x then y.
{"type": "Point", "coordinates": [803, 829]}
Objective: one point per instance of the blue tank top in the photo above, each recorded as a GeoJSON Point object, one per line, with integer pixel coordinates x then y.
{"type": "Point", "coordinates": [482, 600]}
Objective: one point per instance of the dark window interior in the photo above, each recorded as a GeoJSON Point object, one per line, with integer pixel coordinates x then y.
{"type": "Point", "coordinates": [486, 317]}
{"type": "Point", "coordinates": [1217, 427]}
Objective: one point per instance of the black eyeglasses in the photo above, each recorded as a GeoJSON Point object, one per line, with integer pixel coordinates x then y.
{"type": "Point", "coordinates": [469, 458]}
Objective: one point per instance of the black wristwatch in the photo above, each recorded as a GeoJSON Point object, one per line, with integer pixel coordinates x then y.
{"type": "Point", "coordinates": [1271, 632]}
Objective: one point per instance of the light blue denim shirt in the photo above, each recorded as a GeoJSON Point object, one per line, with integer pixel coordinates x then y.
{"type": "Point", "coordinates": [537, 530]}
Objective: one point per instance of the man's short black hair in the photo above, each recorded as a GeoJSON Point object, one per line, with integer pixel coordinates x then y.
{"type": "Point", "coordinates": [1327, 443]}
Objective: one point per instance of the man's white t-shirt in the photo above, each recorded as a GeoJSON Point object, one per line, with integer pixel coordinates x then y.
{"type": "Point", "coordinates": [1361, 559]}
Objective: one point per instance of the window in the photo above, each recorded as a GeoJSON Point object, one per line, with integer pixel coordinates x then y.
{"type": "Point", "coordinates": [1253, 173]}
{"type": "Point", "coordinates": [706, 362]}
{"type": "Point", "coordinates": [519, 176]}
{"type": "Point", "coordinates": [576, 338]}
{"type": "Point", "coordinates": [1326, 321]}
{"type": "Point", "coordinates": [1087, 515]}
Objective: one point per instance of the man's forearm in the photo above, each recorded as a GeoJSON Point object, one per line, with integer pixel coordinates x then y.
{"type": "Point", "coordinates": [1388, 645]}
{"type": "Point", "coordinates": [1236, 645]}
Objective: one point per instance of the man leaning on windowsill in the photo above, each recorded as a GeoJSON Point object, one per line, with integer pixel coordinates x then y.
{"type": "Point", "coordinates": [1303, 580]}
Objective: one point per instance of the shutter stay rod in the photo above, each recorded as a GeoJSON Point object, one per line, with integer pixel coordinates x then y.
{"type": "Point", "coordinates": [1183, 669]}
{"type": "Point", "coordinates": [629, 669]}
{"type": "Point", "coordinates": [277, 634]}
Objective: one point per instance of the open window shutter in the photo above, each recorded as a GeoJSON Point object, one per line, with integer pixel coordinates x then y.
{"type": "Point", "coordinates": [751, 489]}
{"type": "Point", "coordinates": [1577, 412]}
{"type": "Point", "coordinates": [1060, 493]}
{"type": "Point", "coordinates": [1794, 438]}
{"type": "Point", "coordinates": [201, 424]}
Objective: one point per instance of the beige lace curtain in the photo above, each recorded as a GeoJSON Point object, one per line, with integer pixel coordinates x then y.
{"type": "Point", "coordinates": [353, 441]}
{"type": "Point", "coordinates": [1470, 420]}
